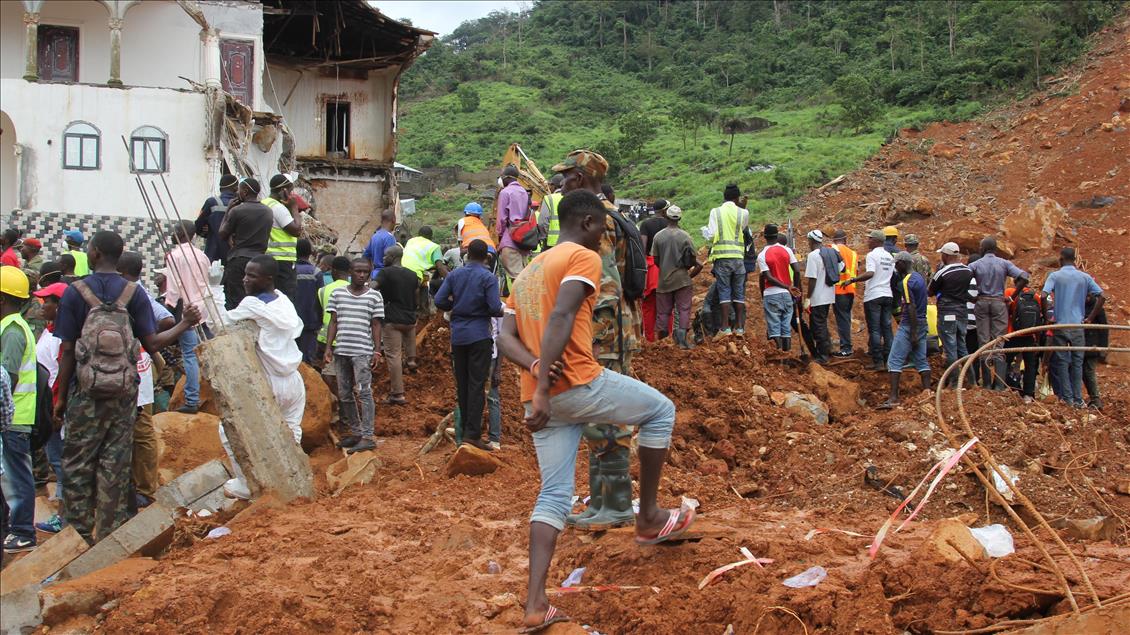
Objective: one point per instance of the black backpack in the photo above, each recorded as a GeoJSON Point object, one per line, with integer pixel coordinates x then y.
{"type": "Point", "coordinates": [44, 409]}
{"type": "Point", "coordinates": [634, 277]}
{"type": "Point", "coordinates": [1027, 313]}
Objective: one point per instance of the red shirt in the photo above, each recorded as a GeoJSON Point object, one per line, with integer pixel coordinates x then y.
{"type": "Point", "coordinates": [778, 259]}
{"type": "Point", "coordinates": [10, 258]}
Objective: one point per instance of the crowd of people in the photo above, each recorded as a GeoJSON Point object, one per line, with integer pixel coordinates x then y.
{"type": "Point", "coordinates": [565, 287]}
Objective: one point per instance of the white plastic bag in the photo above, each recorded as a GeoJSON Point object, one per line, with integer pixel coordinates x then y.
{"type": "Point", "coordinates": [996, 540]}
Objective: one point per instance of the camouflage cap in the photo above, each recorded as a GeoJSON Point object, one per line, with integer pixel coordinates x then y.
{"type": "Point", "coordinates": [585, 160]}
{"type": "Point", "coordinates": [911, 239]}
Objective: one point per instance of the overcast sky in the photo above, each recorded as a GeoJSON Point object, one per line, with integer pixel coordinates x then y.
{"type": "Point", "coordinates": [443, 16]}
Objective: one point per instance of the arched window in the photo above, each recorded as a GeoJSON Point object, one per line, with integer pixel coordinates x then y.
{"type": "Point", "coordinates": [82, 147]}
{"type": "Point", "coordinates": [149, 150]}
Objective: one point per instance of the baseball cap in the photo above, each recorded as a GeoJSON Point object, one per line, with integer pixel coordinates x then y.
{"type": "Point", "coordinates": [585, 160]}
{"type": "Point", "coordinates": [33, 242]}
{"type": "Point", "coordinates": [904, 256]}
{"type": "Point", "coordinates": [473, 208]}
{"type": "Point", "coordinates": [674, 212]}
{"type": "Point", "coordinates": [890, 230]}
{"type": "Point", "coordinates": [816, 235]}
{"type": "Point", "coordinates": [911, 239]}
{"type": "Point", "coordinates": [950, 249]}
{"type": "Point", "coordinates": [75, 236]}
{"type": "Point", "coordinates": [52, 290]}
{"type": "Point", "coordinates": [877, 234]}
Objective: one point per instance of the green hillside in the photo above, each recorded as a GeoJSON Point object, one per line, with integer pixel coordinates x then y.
{"type": "Point", "coordinates": [654, 86]}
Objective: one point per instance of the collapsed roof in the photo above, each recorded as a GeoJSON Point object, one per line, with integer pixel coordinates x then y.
{"type": "Point", "coordinates": [344, 33]}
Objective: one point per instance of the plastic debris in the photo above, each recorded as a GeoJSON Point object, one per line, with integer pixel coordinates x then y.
{"type": "Point", "coordinates": [689, 503]}
{"type": "Point", "coordinates": [812, 533]}
{"type": "Point", "coordinates": [636, 505]}
{"type": "Point", "coordinates": [218, 532]}
{"type": "Point", "coordinates": [574, 578]}
{"type": "Point", "coordinates": [809, 577]}
{"type": "Point", "coordinates": [1002, 488]}
{"type": "Point", "coordinates": [996, 540]}
{"type": "Point", "coordinates": [749, 559]}
{"type": "Point", "coordinates": [600, 588]}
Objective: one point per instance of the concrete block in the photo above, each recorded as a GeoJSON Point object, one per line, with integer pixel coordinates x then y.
{"type": "Point", "coordinates": [54, 554]}
{"type": "Point", "coordinates": [19, 610]}
{"type": "Point", "coordinates": [138, 532]}
{"type": "Point", "coordinates": [259, 437]}
{"type": "Point", "coordinates": [189, 487]}
{"type": "Point", "coordinates": [214, 501]}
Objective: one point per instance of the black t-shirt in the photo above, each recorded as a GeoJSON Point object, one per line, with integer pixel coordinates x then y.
{"type": "Point", "coordinates": [651, 227]}
{"type": "Point", "coordinates": [398, 288]}
{"type": "Point", "coordinates": [250, 224]}
{"type": "Point", "coordinates": [951, 282]}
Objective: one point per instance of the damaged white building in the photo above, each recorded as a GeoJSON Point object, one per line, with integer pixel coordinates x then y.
{"type": "Point", "coordinates": [194, 89]}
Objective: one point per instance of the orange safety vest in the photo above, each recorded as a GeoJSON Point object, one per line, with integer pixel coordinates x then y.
{"type": "Point", "coordinates": [474, 229]}
{"type": "Point", "coordinates": [851, 261]}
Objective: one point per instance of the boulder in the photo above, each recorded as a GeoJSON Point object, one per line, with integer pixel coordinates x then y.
{"type": "Point", "coordinates": [841, 395]}
{"type": "Point", "coordinates": [969, 240]}
{"type": "Point", "coordinates": [807, 405]}
{"type": "Point", "coordinates": [923, 206]}
{"type": "Point", "coordinates": [207, 403]}
{"type": "Point", "coordinates": [716, 428]}
{"type": "Point", "coordinates": [759, 392]}
{"type": "Point", "coordinates": [950, 536]}
{"type": "Point", "coordinates": [319, 409]}
{"type": "Point", "coordinates": [724, 450]}
{"type": "Point", "coordinates": [185, 442]}
{"type": "Point", "coordinates": [471, 461]}
{"type": "Point", "coordinates": [715, 467]}
{"type": "Point", "coordinates": [1033, 225]}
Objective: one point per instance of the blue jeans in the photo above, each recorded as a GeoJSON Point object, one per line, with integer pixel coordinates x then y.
{"type": "Point", "coordinates": [19, 484]}
{"type": "Point", "coordinates": [188, 342]}
{"type": "Point", "coordinates": [903, 347]}
{"type": "Point", "coordinates": [952, 329]}
{"type": "Point", "coordinates": [610, 398]}
{"type": "Point", "coordinates": [778, 314]}
{"type": "Point", "coordinates": [1067, 366]}
{"type": "Point", "coordinates": [54, 451]}
{"type": "Point", "coordinates": [878, 314]}
{"type": "Point", "coordinates": [494, 403]}
{"type": "Point", "coordinates": [729, 274]}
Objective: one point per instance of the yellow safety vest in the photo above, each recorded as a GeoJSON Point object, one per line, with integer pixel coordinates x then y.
{"type": "Point", "coordinates": [280, 245]}
{"type": "Point", "coordinates": [82, 266]}
{"type": "Point", "coordinates": [417, 255]}
{"type": "Point", "coordinates": [324, 300]}
{"type": "Point", "coordinates": [727, 241]}
{"type": "Point", "coordinates": [549, 204]}
{"type": "Point", "coordinates": [23, 393]}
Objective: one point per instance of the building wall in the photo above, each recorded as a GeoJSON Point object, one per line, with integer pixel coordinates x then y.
{"type": "Point", "coordinates": [370, 110]}
{"type": "Point", "coordinates": [92, 19]}
{"type": "Point", "coordinates": [160, 44]}
{"type": "Point", "coordinates": [352, 208]}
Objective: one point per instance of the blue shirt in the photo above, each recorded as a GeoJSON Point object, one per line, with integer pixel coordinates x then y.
{"type": "Point", "coordinates": [471, 294]}
{"type": "Point", "coordinates": [306, 296]}
{"type": "Point", "coordinates": [375, 250]}
{"type": "Point", "coordinates": [916, 284]}
{"type": "Point", "coordinates": [992, 272]}
{"type": "Point", "coordinates": [106, 287]}
{"type": "Point", "coordinates": [1070, 287]}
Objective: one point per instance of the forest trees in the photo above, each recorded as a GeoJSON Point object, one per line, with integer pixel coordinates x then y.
{"type": "Point", "coordinates": [857, 98]}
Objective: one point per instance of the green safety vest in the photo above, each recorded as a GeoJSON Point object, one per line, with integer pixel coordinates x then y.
{"type": "Point", "coordinates": [417, 255]}
{"type": "Point", "coordinates": [280, 245]}
{"type": "Point", "coordinates": [727, 241]}
{"type": "Point", "coordinates": [82, 266]}
{"type": "Point", "coordinates": [324, 300]}
{"type": "Point", "coordinates": [550, 205]}
{"type": "Point", "coordinates": [23, 393]}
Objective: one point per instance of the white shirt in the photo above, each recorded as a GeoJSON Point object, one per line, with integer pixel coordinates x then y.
{"type": "Point", "coordinates": [882, 263]}
{"type": "Point", "coordinates": [764, 266]}
{"type": "Point", "coordinates": [47, 353]}
{"type": "Point", "coordinates": [281, 215]}
{"type": "Point", "coordinates": [145, 375]}
{"type": "Point", "coordinates": [822, 293]}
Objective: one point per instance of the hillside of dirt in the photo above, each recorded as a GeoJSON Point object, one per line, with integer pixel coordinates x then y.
{"type": "Point", "coordinates": [415, 551]}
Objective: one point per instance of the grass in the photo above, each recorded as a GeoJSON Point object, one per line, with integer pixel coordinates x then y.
{"type": "Point", "coordinates": [807, 147]}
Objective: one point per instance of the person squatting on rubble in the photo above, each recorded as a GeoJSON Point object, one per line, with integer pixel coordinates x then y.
{"type": "Point", "coordinates": [548, 331]}
{"type": "Point", "coordinates": [279, 328]}
{"type": "Point", "coordinates": [99, 408]}
{"type": "Point", "coordinates": [673, 254]}
{"type": "Point", "coordinates": [723, 233]}
{"type": "Point", "coordinates": [353, 346]}
{"type": "Point", "coordinates": [398, 285]}
{"type": "Point", "coordinates": [470, 293]}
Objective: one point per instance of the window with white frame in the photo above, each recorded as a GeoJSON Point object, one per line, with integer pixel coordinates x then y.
{"type": "Point", "coordinates": [148, 150]}
{"type": "Point", "coordinates": [82, 147]}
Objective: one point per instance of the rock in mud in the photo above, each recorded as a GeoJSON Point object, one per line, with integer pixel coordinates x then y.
{"type": "Point", "coordinates": [944, 150]}
{"type": "Point", "coordinates": [471, 461]}
{"type": "Point", "coordinates": [716, 467]}
{"type": "Point", "coordinates": [356, 469]}
{"type": "Point", "coordinates": [1092, 529]}
{"type": "Point", "coordinates": [950, 536]}
{"type": "Point", "coordinates": [319, 409]}
{"type": "Point", "coordinates": [84, 596]}
{"type": "Point", "coordinates": [716, 428]}
{"type": "Point", "coordinates": [808, 405]}
{"type": "Point", "coordinates": [759, 392]}
{"type": "Point", "coordinates": [1033, 225]}
{"type": "Point", "coordinates": [841, 395]}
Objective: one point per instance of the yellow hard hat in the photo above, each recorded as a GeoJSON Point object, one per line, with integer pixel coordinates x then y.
{"type": "Point", "coordinates": [13, 282]}
{"type": "Point", "coordinates": [891, 230]}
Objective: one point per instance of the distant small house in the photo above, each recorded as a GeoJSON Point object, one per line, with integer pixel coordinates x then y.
{"type": "Point", "coordinates": [405, 174]}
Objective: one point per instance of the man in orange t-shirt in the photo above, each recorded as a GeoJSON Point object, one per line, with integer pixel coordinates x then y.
{"type": "Point", "coordinates": [548, 331]}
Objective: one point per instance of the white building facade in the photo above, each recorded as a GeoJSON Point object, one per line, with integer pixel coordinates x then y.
{"type": "Point", "coordinates": [185, 85]}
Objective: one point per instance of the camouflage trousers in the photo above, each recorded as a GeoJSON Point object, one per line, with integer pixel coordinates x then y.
{"type": "Point", "coordinates": [97, 456]}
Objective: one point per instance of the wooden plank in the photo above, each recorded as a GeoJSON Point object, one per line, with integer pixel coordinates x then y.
{"type": "Point", "coordinates": [54, 554]}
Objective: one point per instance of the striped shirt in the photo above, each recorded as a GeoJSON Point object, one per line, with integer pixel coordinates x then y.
{"type": "Point", "coordinates": [355, 314]}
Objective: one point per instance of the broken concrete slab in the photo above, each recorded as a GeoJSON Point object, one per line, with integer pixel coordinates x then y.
{"type": "Point", "coordinates": [471, 461]}
{"type": "Point", "coordinates": [260, 439]}
{"type": "Point", "coordinates": [146, 527]}
{"type": "Point", "coordinates": [356, 469]}
{"type": "Point", "coordinates": [54, 554]}
{"type": "Point", "coordinates": [21, 611]}
{"type": "Point", "coordinates": [189, 487]}
{"type": "Point", "coordinates": [84, 596]}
